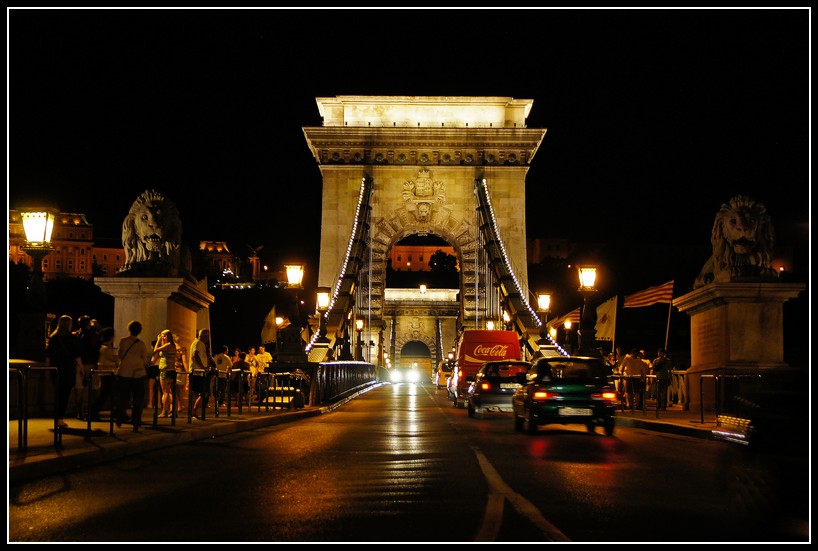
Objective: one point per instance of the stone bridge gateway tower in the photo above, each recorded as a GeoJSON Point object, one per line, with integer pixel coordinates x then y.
{"type": "Point", "coordinates": [422, 157]}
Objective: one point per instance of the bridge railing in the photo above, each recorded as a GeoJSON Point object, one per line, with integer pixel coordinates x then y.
{"type": "Point", "coordinates": [330, 381]}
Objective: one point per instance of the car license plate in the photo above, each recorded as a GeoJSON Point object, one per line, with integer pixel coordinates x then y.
{"type": "Point", "coordinates": [575, 412]}
{"type": "Point", "coordinates": [509, 385]}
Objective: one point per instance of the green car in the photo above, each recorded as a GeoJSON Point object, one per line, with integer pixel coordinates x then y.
{"type": "Point", "coordinates": [565, 390]}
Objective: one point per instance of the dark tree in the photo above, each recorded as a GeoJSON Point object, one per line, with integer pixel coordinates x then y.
{"type": "Point", "coordinates": [442, 262]}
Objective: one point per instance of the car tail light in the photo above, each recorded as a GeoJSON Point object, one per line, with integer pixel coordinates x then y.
{"type": "Point", "coordinates": [608, 396]}
{"type": "Point", "coordinates": [542, 395]}
{"type": "Point", "coordinates": [485, 386]}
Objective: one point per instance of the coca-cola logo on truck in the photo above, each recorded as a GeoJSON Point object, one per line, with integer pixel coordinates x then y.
{"type": "Point", "coordinates": [493, 351]}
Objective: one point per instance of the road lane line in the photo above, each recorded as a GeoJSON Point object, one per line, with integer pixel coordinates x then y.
{"type": "Point", "coordinates": [492, 519]}
{"type": "Point", "coordinates": [494, 514]}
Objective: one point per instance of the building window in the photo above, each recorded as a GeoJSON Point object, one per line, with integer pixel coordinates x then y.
{"type": "Point", "coordinates": [45, 263]}
{"type": "Point", "coordinates": [58, 264]}
{"type": "Point", "coordinates": [82, 252]}
{"type": "Point", "coordinates": [70, 265]}
{"type": "Point", "coordinates": [105, 269]}
{"type": "Point", "coordinates": [400, 259]}
{"type": "Point", "coordinates": [105, 258]}
{"type": "Point", "coordinates": [82, 266]}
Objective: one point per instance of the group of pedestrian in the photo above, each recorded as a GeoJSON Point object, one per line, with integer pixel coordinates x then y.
{"type": "Point", "coordinates": [633, 384]}
{"type": "Point", "coordinates": [250, 364]}
{"type": "Point", "coordinates": [76, 355]}
{"type": "Point", "coordinates": [123, 374]}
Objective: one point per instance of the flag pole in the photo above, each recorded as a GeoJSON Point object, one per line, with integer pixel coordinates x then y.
{"type": "Point", "coordinates": [613, 339]}
{"type": "Point", "coordinates": [667, 332]}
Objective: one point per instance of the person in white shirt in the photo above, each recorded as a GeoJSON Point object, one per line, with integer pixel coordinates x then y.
{"type": "Point", "coordinates": [264, 358]}
{"type": "Point", "coordinates": [134, 359]}
{"type": "Point", "coordinates": [224, 363]}
{"type": "Point", "coordinates": [200, 360]}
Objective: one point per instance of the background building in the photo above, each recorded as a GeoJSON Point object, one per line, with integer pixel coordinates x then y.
{"type": "Point", "coordinates": [73, 242]}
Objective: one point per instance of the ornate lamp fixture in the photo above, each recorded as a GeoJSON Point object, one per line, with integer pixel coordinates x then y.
{"type": "Point", "coordinates": [587, 322]}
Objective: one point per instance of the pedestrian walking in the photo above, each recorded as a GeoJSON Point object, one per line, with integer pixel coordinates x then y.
{"type": "Point", "coordinates": [134, 360]}
{"type": "Point", "coordinates": [63, 352]}
{"type": "Point", "coordinates": [165, 352]}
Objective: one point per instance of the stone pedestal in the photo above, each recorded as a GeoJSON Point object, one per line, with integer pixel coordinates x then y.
{"type": "Point", "coordinates": [158, 303]}
{"type": "Point", "coordinates": [292, 346]}
{"type": "Point", "coordinates": [735, 328]}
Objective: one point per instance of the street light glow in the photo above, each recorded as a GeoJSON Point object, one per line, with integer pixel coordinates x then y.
{"type": "Point", "coordinates": [295, 273]}
{"type": "Point", "coordinates": [38, 224]}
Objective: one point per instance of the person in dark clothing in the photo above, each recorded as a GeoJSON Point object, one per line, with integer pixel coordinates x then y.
{"type": "Point", "coordinates": [63, 352]}
{"type": "Point", "coordinates": [90, 343]}
{"type": "Point", "coordinates": [661, 368]}
{"type": "Point", "coordinates": [104, 384]}
{"type": "Point", "coordinates": [241, 380]}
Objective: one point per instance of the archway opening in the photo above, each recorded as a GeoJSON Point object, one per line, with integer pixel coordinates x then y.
{"type": "Point", "coordinates": [422, 260]}
{"type": "Point", "coordinates": [416, 354]}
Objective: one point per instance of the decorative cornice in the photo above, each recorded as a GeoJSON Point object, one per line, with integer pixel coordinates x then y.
{"type": "Point", "coordinates": [437, 146]}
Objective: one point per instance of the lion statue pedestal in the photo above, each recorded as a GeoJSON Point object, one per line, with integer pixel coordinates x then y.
{"type": "Point", "coordinates": [736, 307]}
{"type": "Point", "coordinates": [159, 303]}
{"type": "Point", "coordinates": [155, 285]}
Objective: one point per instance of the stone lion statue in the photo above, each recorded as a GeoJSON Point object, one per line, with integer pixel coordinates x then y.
{"type": "Point", "coordinates": [152, 238]}
{"type": "Point", "coordinates": [742, 241]}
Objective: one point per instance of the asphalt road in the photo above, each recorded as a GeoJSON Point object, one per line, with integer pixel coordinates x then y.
{"type": "Point", "coordinates": [400, 464]}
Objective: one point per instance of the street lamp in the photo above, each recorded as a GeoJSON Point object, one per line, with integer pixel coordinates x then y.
{"type": "Point", "coordinates": [38, 225]}
{"type": "Point", "coordinates": [292, 349]}
{"type": "Point", "coordinates": [587, 322]}
{"type": "Point", "coordinates": [544, 307]}
{"type": "Point", "coordinates": [322, 305]}
{"type": "Point", "coordinates": [359, 345]}
{"type": "Point", "coordinates": [490, 325]}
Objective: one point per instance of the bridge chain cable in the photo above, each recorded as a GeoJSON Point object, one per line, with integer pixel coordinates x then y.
{"type": "Point", "coordinates": [347, 275]}
{"type": "Point", "coordinates": [516, 293]}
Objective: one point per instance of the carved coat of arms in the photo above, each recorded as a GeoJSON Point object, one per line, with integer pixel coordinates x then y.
{"type": "Point", "coordinates": [423, 192]}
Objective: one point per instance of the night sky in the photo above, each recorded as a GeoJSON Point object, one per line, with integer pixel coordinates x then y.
{"type": "Point", "coordinates": [655, 118]}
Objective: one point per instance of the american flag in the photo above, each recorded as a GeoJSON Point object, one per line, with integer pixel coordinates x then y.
{"type": "Point", "coordinates": [650, 296]}
{"type": "Point", "coordinates": [572, 316]}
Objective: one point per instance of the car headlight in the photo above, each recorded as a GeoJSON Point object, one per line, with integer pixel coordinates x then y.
{"type": "Point", "coordinates": [395, 376]}
{"type": "Point", "coordinates": [413, 376]}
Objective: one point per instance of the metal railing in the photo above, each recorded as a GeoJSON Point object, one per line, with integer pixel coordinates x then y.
{"type": "Point", "coordinates": [102, 373]}
{"type": "Point", "coordinates": [22, 417]}
{"type": "Point", "coordinates": [719, 398]}
{"type": "Point", "coordinates": [333, 380]}
{"type": "Point", "coordinates": [23, 372]}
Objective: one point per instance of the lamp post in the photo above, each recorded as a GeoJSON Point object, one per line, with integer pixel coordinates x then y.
{"type": "Point", "coordinates": [38, 225]}
{"type": "Point", "coordinates": [322, 305]}
{"type": "Point", "coordinates": [359, 344]}
{"type": "Point", "coordinates": [587, 321]}
{"type": "Point", "coordinates": [292, 349]}
{"type": "Point", "coordinates": [544, 307]}
{"type": "Point", "coordinates": [567, 326]}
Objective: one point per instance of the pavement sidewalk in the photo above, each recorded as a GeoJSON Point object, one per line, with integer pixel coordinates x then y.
{"type": "Point", "coordinates": [80, 448]}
